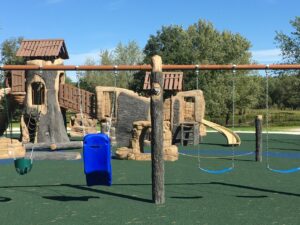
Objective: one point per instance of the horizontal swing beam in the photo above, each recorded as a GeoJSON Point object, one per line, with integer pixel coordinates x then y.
{"type": "Point", "coordinates": [149, 68]}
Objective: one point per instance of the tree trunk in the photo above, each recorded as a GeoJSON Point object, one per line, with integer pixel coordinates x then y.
{"type": "Point", "coordinates": [227, 119]}
{"type": "Point", "coordinates": [42, 113]}
{"type": "Point", "coordinates": [157, 115]}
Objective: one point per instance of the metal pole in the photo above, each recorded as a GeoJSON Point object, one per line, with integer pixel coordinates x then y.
{"type": "Point", "coordinates": [149, 67]}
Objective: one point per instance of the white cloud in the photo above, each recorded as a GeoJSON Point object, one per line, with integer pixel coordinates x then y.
{"type": "Point", "coordinates": [267, 55]}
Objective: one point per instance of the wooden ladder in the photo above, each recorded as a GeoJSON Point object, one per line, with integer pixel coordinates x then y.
{"type": "Point", "coordinates": [189, 133]}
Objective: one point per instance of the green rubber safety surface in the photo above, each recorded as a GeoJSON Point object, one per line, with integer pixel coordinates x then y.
{"type": "Point", "coordinates": [54, 192]}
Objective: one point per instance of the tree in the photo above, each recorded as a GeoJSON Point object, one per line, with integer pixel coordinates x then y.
{"type": "Point", "coordinates": [201, 43]}
{"type": "Point", "coordinates": [9, 49]}
{"type": "Point", "coordinates": [290, 44]}
{"type": "Point", "coordinates": [123, 54]}
{"type": "Point", "coordinates": [285, 90]}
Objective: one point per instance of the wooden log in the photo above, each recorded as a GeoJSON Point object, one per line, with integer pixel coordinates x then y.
{"type": "Point", "coordinates": [54, 146]}
{"type": "Point", "coordinates": [54, 155]}
{"type": "Point", "coordinates": [157, 155]}
{"type": "Point", "coordinates": [258, 138]}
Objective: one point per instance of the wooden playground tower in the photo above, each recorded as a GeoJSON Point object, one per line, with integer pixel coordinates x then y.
{"type": "Point", "coordinates": [44, 96]}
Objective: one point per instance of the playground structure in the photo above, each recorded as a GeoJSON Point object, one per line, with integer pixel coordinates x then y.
{"type": "Point", "coordinates": [45, 97]}
{"type": "Point", "coordinates": [156, 102]}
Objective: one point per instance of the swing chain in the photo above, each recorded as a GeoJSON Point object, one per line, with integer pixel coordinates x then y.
{"type": "Point", "coordinates": [197, 77]}
{"type": "Point", "coordinates": [80, 99]}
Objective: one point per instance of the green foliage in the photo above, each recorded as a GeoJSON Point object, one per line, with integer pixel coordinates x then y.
{"type": "Point", "coordinates": [122, 54]}
{"type": "Point", "coordinates": [68, 80]}
{"type": "Point", "coordinates": [290, 44]}
{"type": "Point", "coordinates": [9, 49]}
{"type": "Point", "coordinates": [285, 88]}
{"type": "Point", "coordinates": [201, 43]}
{"type": "Point", "coordinates": [284, 91]}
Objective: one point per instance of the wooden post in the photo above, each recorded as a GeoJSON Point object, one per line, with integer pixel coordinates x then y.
{"type": "Point", "coordinates": [258, 138]}
{"type": "Point", "coordinates": [157, 156]}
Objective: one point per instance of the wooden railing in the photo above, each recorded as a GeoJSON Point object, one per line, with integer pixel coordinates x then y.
{"type": "Point", "coordinates": [171, 80]}
{"type": "Point", "coordinates": [73, 98]}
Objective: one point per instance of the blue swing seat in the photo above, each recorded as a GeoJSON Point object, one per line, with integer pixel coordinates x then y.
{"type": "Point", "coordinates": [97, 159]}
{"type": "Point", "coordinates": [292, 170]}
{"type": "Point", "coordinates": [226, 170]}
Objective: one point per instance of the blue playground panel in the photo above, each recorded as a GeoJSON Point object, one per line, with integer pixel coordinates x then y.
{"type": "Point", "coordinates": [97, 159]}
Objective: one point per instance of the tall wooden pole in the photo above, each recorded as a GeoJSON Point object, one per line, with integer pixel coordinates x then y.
{"type": "Point", "coordinates": [158, 171]}
{"type": "Point", "coordinates": [258, 139]}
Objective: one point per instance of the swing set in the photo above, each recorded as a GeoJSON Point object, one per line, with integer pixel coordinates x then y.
{"type": "Point", "coordinates": [23, 165]}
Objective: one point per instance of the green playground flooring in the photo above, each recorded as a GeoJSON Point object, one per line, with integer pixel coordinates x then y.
{"type": "Point", "coordinates": [54, 192]}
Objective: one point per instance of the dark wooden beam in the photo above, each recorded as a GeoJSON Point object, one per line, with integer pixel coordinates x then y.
{"type": "Point", "coordinates": [157, 141]}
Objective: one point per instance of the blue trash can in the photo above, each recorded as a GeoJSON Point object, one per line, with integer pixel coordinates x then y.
{"type": "Point", "coordinates": [97, 159]}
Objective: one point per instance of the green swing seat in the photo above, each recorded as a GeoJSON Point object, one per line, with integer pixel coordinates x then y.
{"type": "Point", "coordinates": [23, 165]}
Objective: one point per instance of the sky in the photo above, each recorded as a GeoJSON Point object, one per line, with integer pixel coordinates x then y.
{"type": "Point", "coordinates": [89, 26]}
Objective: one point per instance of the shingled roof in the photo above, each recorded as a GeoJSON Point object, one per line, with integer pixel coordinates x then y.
{"type": "Point", "coordinates": [47, 49]}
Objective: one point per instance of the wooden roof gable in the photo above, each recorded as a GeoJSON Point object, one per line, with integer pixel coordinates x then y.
{"type": "Point", "coordinates": [43, 49]}
{"type": "Point", "coordinates": [172, 81]}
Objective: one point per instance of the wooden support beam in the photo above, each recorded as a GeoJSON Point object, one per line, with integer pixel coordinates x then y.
{"type": "Point", "coordinates": [54, 155]}
{"type": "Point", "coordinates": [157, 114]}
{"type": "Point", "coordinates": [54, 146]}
{"type": "Point", "coordinates": [258, 138]}
{"type": "Point", "coordinates": [148, 67]}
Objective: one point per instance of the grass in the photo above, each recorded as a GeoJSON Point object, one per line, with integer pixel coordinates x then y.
{"type": "Point", "coordinates": [55, 192]}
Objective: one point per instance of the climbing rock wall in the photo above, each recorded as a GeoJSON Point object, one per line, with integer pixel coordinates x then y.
{"type": "Point", "coordinates": [82, 125]}
{"type": "Point", "coordinates": [125, 107]}
{"type": "Point", "coordinates": [135, 150]}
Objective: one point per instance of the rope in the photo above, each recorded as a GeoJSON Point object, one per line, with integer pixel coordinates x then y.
{"type": "Point", "coordinates": [284, 171]}
{"type": "Point", "coordinates": [197, 75]}
{"type": "Point", "coordinates": [80, 101]}
{"type": "Point", "coordinates": [113, 102]}
{"type": "Point", "coordinates": [216, 157]}
{"type": "Point", "coordinates": [225, 170]}
{"type": "Point", "coordinates": [267, 116]}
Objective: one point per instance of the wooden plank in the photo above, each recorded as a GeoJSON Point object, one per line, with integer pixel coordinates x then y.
{"type": "Point", "coordinates": [166, 81]}
{"type": "Point", "coordinates": [176, 82]}
{"type": "Point", "coordinates": [147, 81]}
{"type": "Point", "coordinates": [54, 146]}
{"type": "Point", "coordinates": [54, 155]}
{"type": "Point", "coordinates": [23, 81]}
{"type": "Point", "coordinates": [180, 82]}
{"type": "Point", "coordinates": [171, 82]}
